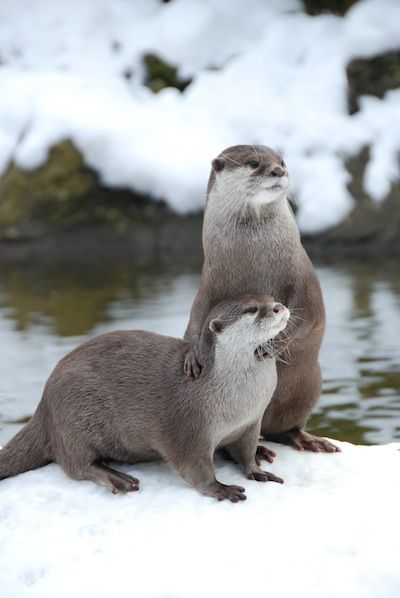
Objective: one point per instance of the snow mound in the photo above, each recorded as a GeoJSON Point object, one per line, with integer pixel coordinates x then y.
{"type": "Point", "coordinates": [266, 73]}
{"type": "Point", "coordinates": [331, 530]}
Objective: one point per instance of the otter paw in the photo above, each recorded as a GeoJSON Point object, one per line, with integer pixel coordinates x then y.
{"type": "Point", "coordinates": [191, 366]}
{"type": "Point", "coordinates": [233, 493]}
{"type": "Point", "coordinates": [264, 476]}
{"type": "Point", "coordinates": [303, 441]}
{"type": "Point", "coordinates": [264, 453]}
{"type": "Point", "coordinates": [320, 445]}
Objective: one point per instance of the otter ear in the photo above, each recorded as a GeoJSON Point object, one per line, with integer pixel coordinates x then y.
{"type": "Point", "coordinates": [218, 164]}
{"type": "Point", "coordinates": [216, 326]}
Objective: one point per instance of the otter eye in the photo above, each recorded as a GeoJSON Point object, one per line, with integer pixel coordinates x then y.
{"type": "Point", "coordinates": [252, 309]}
{"type": "Point", "coordinates": [253, 164]}
{"type": "Point", "coordinates": [283, 164]}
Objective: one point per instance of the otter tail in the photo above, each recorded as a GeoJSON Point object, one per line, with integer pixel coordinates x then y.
{"type": "Point", "coordinates": [28, 449]}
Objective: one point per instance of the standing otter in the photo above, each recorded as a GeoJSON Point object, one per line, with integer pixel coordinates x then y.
{"type": "Point", "coordinates": [252, 245]}
{"type": "Point", "coordinates": [123, 396]}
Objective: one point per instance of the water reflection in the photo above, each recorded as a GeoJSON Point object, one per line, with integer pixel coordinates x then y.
{"type": "Point", "coordinates": [48, 307]}
{"type": "Point", "coordinates": [72, 297]}
{"type": "Point", "coordinates": [360, 356]}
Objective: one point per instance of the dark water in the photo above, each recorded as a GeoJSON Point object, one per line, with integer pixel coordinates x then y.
{"type": "Point", "coordinates": [47, 308]}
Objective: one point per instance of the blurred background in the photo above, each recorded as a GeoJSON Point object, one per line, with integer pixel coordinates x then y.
{"type": "Point", "coordinates": [110, 114]}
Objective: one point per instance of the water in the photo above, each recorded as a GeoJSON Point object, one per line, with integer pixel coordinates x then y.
{"type": "Point", "coordinates": [48, 307]}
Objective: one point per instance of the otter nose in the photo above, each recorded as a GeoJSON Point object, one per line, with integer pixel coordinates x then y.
{"type": "Point", "coordinates": [278, 308]}
{"type": "Point", "coordinates": [277, 171]}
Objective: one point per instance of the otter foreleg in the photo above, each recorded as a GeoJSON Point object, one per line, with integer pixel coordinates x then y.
{"type": "Point", "coordinates": [243, 451]}
{"type": "Point", "coordinates": [198, 471]}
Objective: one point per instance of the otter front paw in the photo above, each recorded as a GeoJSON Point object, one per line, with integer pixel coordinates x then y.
{"type": "Point", "coordinates": [264, 453]}
{"type": "Point", "coordinates": [192, 367]}
{"type": "Point", "coordinates": [233, 493]}
{"type": "Point", "coordinates": [264, 476]}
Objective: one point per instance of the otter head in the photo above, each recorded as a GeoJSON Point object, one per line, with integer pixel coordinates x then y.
{"type": "Point", "coordinates": [249, 175]}
{"type": "Point", "coordinates": [242, 329]}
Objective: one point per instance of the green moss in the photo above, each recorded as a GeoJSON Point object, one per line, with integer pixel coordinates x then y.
{"type": "Point", "coordinates": [160, 75]}
{"type": "Point", "coordinates": [44, 194]}
{"type": "Point", "coordinates": [64, 194]}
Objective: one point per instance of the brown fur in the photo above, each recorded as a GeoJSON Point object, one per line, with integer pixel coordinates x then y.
{"type": "Point", "coordinates": [255, 247]}
{"type": "Point", "coordinates": [123, 396]}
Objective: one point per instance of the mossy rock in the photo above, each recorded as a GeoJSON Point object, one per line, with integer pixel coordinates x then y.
{"type": "Point", "coordinates": [64, 194]}
{"type": "Point", "coordinates": [372, 76]}
{"type": "Point", "coordinates": [317, 7]}
{"type": "Point", "coordinates": [160, 74]}
{"type": "Point", "coordinates": [31, 197]}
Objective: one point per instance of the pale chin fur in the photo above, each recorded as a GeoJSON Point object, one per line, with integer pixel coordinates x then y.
{"type": "Point", "coordinates": [240, 340]}
{"type": "Point", "coordinates": [281, 321]}
{"type": "Point", "coordinates": [268, 194]}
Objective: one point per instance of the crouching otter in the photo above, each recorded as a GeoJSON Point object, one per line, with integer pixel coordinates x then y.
{"type": "Point", "coordinates": [123, 397]}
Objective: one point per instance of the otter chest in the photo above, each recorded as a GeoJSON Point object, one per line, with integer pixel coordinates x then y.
{"type": "Point", "coordinates": [255, 266]}
{"type": "Point", "coordinates": [241, 397]}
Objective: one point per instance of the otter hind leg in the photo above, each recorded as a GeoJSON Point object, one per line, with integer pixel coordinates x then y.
{"type": "Point", "coordinates": [296, 394]}
{"type": "Point", "coordinates": [120, 482]}
{"type": "Point", "coordinates": [303, 441]}
{"type": "Point", "coordinates": [101, 474]}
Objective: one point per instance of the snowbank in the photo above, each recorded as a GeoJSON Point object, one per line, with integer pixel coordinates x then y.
{"type": "Point", "coordinates": [331, 530]}
{"type": "Point", "coordinates": [280, 80]}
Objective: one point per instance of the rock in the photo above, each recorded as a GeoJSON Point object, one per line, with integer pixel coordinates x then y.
{"type": "Point", "coordinates": [63, 203]}
{"type": "Point", "coordinates": [63, 207]}
{"type": "Point", "coordinates": [372, 76]}
{"type": "Point", "coordinates": [159, 74]}
{"type": "Point", "coordinates": [33, 200]}
{"type": "Point", "coordinates": [368, 222]}
{"type": "Point", "coordinates": [338, 7]}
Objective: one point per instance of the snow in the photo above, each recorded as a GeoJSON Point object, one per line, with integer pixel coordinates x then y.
{"type": "Point", "coordinates": [331, 530]}
{"type": "Point", "coordinates": [280, 81]}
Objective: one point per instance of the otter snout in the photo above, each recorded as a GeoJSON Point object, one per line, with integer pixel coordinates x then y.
{"type": "Point", "coordinates": [278, 308]}
{"type": "Point", "coordinates": [282, 315]}
{"type": "Point", "coordinates": [276, 178]}
{"type": "Point", "coordinates": [274, 314]}
{"type": "Point", "coordinates": [277, 171]}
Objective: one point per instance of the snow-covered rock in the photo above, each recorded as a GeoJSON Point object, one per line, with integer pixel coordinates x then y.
{"type": "Point", "coordinates": [331, 530]}
{"type": "Point", "coordinates": [263, 72]}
